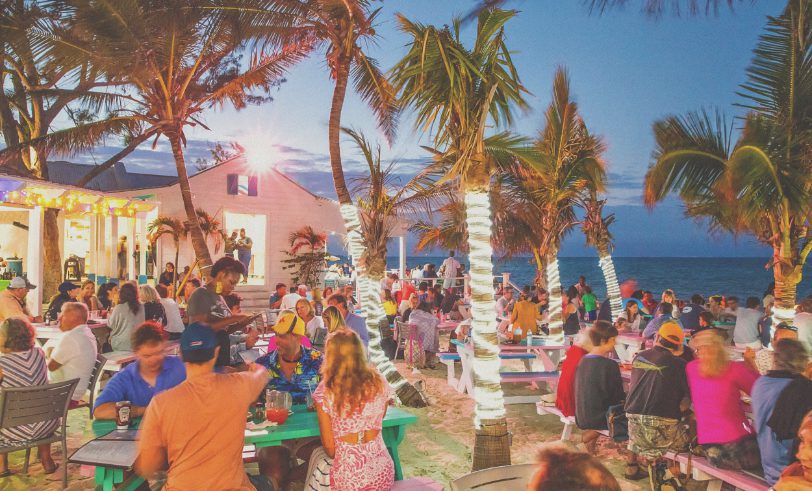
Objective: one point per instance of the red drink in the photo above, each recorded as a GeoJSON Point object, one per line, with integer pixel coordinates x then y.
{"type": "Point", "coordinates": [276, 414]}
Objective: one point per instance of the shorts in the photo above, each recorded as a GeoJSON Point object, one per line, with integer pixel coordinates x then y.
{"type": "Point", "coordinates": [591, 316]}
{"type": "Point", "coordinates": [738, 455]}
{"type": "Point", "coordinates": [653, 436]}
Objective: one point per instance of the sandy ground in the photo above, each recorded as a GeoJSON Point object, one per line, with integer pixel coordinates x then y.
{"type": "Point", "coordinates": [439, 445]}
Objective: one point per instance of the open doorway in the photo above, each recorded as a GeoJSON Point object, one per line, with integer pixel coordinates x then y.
{"type": "Point", "coordinates": [254, 226]}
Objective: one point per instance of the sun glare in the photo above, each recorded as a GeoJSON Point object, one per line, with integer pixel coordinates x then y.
{"type": "Point", "coordinates": [259, 150]}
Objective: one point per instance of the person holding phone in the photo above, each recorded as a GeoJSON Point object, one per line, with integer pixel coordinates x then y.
{"type": "Point", "coordinates": [208, 306]}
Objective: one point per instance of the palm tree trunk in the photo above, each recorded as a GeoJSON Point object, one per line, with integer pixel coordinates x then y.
{"type": "Point", "coordinates": [610, 278]}
{"type": "Point", "coordinates": [375, 318]}
{"type": "Point", "coordinates": [368, 290]}
{"type": "Point", "coordinates": [555, 294]}
{"type": "Point", "coordinates": [198, 241]}
{"type": "Point", "coordinates": [491, 447]}
{"type": "Point", "coordinates": [52, 275]}
{"type": "Point", "coordinates": [786, 275]}
{"type": "Point", "coordinates": [541, 269]}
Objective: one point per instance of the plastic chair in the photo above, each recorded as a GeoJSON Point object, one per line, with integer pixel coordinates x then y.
{"type": "Point", "coordinates": [496, 478]}
{"type": "Point", "coordinates": [94, 380]}
{"type": "Point", "coordinates": [401, 336]}
{"type": "Point", "coordinates": [37, 404]}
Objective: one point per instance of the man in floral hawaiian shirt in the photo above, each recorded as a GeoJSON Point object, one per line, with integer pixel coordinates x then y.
{"type": "Point", "coordinates": [292, 368]}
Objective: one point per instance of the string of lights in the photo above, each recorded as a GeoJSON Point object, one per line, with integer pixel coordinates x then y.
{"type": "Point", "coordinates": [612, 286]}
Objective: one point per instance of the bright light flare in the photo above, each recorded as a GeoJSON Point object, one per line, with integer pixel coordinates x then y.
{"type": "Point", "coordinates": [259, 151]}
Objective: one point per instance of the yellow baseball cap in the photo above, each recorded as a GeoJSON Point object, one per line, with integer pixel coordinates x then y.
{"type": "Point", "coordinates": [289, 322]}
{"type": "Point", "coordinates": [672, 332]}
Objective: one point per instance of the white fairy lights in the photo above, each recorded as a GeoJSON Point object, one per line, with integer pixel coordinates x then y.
{"type": "Point", "coordinates": [488, 394]}
{"type": "Point", "coordinates": [368, 292]}
{"type": "Point", "coordinates": [612, 287]}
{"type": "Point", "coordinates": [554, 288]}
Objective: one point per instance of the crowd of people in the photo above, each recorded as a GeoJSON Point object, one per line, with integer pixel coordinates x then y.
{"type": "Point", "coordinates": [687, 392]}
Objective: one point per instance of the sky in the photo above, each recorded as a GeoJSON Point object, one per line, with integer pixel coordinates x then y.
{"type": "Point", "coordinates": [626, 71]}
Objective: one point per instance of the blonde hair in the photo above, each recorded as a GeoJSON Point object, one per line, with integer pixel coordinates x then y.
{"type": "Point", "coordinates": [306, 302]}
{"type": "Point", "coordinates": [316, 292]}
{"type": "Point", "coordinates": [711, 352]}
{"type": "Point", "coordinates": [349, 379]}
{"type": "Point", "coordinates": [333, 320]}
{"type": "Point", "coordinates": [149, 294]}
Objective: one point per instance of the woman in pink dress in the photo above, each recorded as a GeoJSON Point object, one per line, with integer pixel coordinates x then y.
{"type": "Point", "coordinates": [351, 401]}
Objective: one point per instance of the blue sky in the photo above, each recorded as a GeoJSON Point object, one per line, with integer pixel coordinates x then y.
{"type": "Point", "coordinates": [626, 71]}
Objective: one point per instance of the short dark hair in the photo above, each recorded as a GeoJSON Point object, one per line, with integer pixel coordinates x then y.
{"type": "Point", "coordinates": [697, 299]}
{"type": "Point", "coordinates": [707, 317]}
{"type": "Point", "coordinates": [424, 306]}
{"type": "Point", "coordinates": [280, 285]}
{"type": "Point", "coordinates": [227, 264]}
{"type": "Point", "coordinates": [339, 299]}
{"type": "Point", "coordinates": [790, 355]}
{"type": "Point", "coordinates": [451, 253]}
{"type": "Point", "coordinates": [666, 308]}
{"type": "Point", "coordinates": [423, 286]}
{"type": "Point", "coordinates": [733, 299]}
{"type": "Point", "coordinates": [194, 281]}
{"type": "Point", "coordinates": [752, 302]}
{"type": "Point", "coordinates": [162, 290]}
{"type": "Point", "coordinates": [601, 331]}
{"type": "Point", "coordinates": [561, 469]}
{"type": "Point", "coordinates": [147, 333]}
{"type": "Point", "coordinates": [232, 300]}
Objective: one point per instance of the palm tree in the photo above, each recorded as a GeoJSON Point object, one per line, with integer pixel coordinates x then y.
{"type": "Point", "coordinates": [761, 184]}
{"type": "Point", "coordinates": [211, 228]}
{"type": "Point", "coordinates": [307, 237]}
{"type": "Point", "coordinates": [569, 167]}
{"type": "Point", "coordinates": [176, 230]}
{"type": "Point", "coordinates": [341, 28]}
{"type": "Point", "coordinates": [177, 59]}
{"type": "Point", "coordinates": [460, 92]}
{"type": "Point", "coordinates": [595, 226]}
{"type": "Point", "coordinates": [384, 203]}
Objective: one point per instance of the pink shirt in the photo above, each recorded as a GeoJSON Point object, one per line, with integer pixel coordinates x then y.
{"type": "Point", "coordinates": [718, 405]}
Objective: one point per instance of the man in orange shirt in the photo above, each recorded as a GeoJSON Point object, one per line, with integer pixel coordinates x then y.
{"type": "Point", "coordinates": [196, 429]}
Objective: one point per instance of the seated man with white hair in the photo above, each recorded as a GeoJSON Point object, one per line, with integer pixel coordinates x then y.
{"type": "Point", "coordinates": [75, 353]}
{"type": "Point", "coordinates": [289, 300]}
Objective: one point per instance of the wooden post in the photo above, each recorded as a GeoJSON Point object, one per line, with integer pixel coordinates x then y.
{"type": "Point", "coordinates": [112, 249]}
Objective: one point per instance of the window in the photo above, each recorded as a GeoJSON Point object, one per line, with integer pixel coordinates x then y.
{"type": "Point", "coordinates": [238, 185]}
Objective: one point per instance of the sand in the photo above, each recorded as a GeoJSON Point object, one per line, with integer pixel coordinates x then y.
{"type": "Point", "coordinates": [439, 445]}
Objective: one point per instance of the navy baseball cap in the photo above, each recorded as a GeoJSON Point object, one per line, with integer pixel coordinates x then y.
{"type": "Point", "coordinates": [197, 342]}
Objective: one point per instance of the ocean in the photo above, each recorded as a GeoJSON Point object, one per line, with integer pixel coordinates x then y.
{"type": "Point", "coordinates": [742, 277]}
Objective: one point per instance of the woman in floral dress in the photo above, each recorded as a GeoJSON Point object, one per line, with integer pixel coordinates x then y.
{"type": "Point", "coordinates": [351, 402]}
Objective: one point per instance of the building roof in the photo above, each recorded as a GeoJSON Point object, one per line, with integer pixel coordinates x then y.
{"type": "Point", "coordinates": [116, 178]}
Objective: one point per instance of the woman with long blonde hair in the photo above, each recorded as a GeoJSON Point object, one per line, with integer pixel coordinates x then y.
{"type": "Point", "coordinates": [333, 320]}
{"type": "Point", "coordinates": [723, 429]}
{"type": "Point", "coordinates": [351, 402]}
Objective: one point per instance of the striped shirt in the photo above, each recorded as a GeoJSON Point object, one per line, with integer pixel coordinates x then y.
{"type": "Point", "coordinates": [25, 369]}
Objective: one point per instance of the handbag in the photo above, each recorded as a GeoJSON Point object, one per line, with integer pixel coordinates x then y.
{"type": "Point", "coordinates": [617, 423]}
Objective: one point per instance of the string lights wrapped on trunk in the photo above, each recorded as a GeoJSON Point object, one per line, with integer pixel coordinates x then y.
{"type": "Point", "coordinates": [368, 292]}
{"type": "Point", "coordinates": [556, 323]}
{"type": "Point", "coordinates": [612, 286]}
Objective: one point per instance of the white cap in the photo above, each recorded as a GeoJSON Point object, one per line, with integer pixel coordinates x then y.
{"type": "Point", "coordinates": [20, 282]}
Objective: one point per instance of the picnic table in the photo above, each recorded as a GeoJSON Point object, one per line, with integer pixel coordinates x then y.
{"type": "Point", "coordinates": [301, 424]}
{"type": "Point", "coordinates": [548, 352]}
{"type": "Point", "coordinates": [628, 344]}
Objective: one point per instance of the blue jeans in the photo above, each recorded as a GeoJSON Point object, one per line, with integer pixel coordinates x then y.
{"type": "Point", "coordinates": [244, 257]}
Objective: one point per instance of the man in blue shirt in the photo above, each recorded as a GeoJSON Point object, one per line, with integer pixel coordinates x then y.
{"type": "Point", "coordinates": [276, 298]}
{"type": "Point", "coordinates": [789, 362]}
{"type": "Point", "coordinates": [664, 312]}
{"type": "Point", "coordinates": [153, 372]}
{"type": "Point", "coordinates": [689, 315]}
{"type": "Point", "coordinates": [292, 367]}
{"type": "Point", "coordinates": [353, 321]}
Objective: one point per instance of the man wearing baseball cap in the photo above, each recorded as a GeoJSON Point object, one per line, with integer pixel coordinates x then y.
{"type": "Point", "coordinates": [196, 429]}
{"type": "Point", "coordinates": [292, 368]}
{"type": "Point", "coordinates": [12, 299]}
{"type": "Point", "coordinates": [659, 395]}
{"type": "Point", "coordinates": [67, 293]}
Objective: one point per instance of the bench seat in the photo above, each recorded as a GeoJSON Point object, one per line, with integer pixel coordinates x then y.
{"type": "Point", "coordinates": [702, 470]}
{"type": "Point", "coordinates": [510, 377]}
